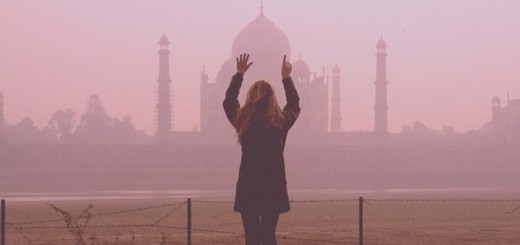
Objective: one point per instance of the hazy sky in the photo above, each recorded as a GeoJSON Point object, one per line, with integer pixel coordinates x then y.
{"type": "Point", "coordinates": [447, 58]}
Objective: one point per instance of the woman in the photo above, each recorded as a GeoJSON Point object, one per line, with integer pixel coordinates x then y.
{"type": "Point", "coordinates": [261, 191]}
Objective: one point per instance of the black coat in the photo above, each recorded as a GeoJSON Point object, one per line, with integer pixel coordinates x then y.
{"type": "Point", "coordinates": [262, 186]}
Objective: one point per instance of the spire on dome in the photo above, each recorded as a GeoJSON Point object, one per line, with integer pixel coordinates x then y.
{"type": "Point", "coordinates": [261, 6]}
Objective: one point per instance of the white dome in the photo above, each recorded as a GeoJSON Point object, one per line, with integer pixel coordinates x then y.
{"type": "Point", "coordinates": [227, 70]}
{"type": "Point", "coordinates": [495, 99]}
{"type": "Point", "coordinates": [301, 66]}
{"type": "Point", "coordinates": [301, 71]}
{"type": "Point", "coordinates": [336, 69]}
{"type": "Point", "coordinates": [267, 45]}
{"type": "Point", "coordinates": [261, 38]}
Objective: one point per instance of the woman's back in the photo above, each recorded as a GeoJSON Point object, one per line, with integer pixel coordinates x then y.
{"type": "Point", "coordinates": [262, 127]}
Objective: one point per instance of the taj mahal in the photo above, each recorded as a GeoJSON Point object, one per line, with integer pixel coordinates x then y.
{"type": "Point", "coordinates": [320, 96]}
{"type": "Point", "coordinates": [319, 121]}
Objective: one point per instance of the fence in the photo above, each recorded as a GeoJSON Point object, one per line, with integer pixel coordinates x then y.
{"type": "Point", "coordinates": [501, 218]}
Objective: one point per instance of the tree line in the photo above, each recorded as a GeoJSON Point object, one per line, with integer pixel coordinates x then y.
{"type": "Point", "coordinates": [95, 126]}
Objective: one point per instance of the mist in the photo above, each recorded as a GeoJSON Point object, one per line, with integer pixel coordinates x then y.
{"type": "Point", "coordinates": [394, 94]}
{"type": "Point", "coordinates": [446, 59]}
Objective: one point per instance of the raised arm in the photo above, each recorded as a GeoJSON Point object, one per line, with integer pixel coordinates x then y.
{"type": "Point", "coordinates": [231, 104]}
{"type": "Point", "coordinates": [291, 111]}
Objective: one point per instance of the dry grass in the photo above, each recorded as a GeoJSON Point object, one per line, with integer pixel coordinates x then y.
{"type": "Point", "coordinates": [385, 222]}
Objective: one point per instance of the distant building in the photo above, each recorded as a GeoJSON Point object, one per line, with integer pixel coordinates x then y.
{"type": "Point", "coordinates": [505, 121]}
{"type": "Point", "coordinates": [381, 107]}
{"type": "Point", "coordinates": [267, 45]}
{"type": "Point", "coordinates": [164, 105]}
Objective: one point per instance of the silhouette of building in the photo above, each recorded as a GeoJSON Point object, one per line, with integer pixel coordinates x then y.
{"type": "Point", "coordinates": [2, 119]}
{"type": "Point", "coordinates": [335, 111]}
{"type": "Point", "coordinates": [267, 45]}
{"type": "Point", "coordinates": [505, 121]}
{"type": "Point", "coordinates": [164, 105]}
{"type": "Point", "coordinates": [381, 107]}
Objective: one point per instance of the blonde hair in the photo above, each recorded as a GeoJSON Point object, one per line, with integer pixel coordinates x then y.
{"type": "Point", "coordinates": [261, 108]}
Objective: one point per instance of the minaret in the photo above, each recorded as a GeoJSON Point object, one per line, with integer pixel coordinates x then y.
{"type": "Point", "coordinates": [1, 110]}
{"type": "Point", "coordinates": [335, 118]}
{"type": "Point", "coordinates": [164, 105]}
{"type": "Point", "coordinates": [381, 107]}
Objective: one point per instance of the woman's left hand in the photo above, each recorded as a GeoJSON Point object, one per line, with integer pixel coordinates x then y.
{"type": "Point", "coordinates": [242, 64]}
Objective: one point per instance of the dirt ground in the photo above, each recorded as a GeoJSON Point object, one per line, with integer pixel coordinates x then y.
{"type": "Point", "coordinates": [388, 219]}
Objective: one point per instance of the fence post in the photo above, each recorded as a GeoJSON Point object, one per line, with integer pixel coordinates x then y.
{"type": "Point", "coordinates": [360, 220]}
{"type": "Point", "coordinates": [2, 224]}
{"type": "Point", "coordinates": [189, 221]}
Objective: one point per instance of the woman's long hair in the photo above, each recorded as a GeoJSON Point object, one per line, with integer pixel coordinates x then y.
{"type": "Point", "coordinates": [261, 108]}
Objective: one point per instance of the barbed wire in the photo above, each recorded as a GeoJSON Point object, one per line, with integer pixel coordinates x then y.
{"type": "Point", "coordinates": [324, 200]}
{"type": "Point", "coordinates": [179, 205]}
{"type": "Point", "coordinates": [20, 226]}
{"type": "Point", "coordinates": [367, 201]}
{"type": "Point", "coordinates": [170, 227]}
{"type": "Point", "coordinates": [439, 200]}
{"type": "Point", "coordinates": [140, 209]}
{"type": "Point", "coordinates": [291, 201]}
{"type": "Point", "coordinates": [171, 212]}
{"type": "Point", "coordinates": [96, 226]}
{"type": "Point", "coordinates": [218, 231]}
{"type": "Point", "coordinates": [34, 222]}
{"type": "Point", "coordinates": [100, 214]}
{"type": "Point", "coordinates": [46, 241]}
{"type": "Point", "coordinates": [212, 202]}
{"type": "Point", "coordinates": [21, 233]}
{"type": "Point", "coordinates": [279, 236]}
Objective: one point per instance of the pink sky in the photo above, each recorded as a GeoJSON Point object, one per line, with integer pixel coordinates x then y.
{"type": "Point", "coordinates": [447, 58]}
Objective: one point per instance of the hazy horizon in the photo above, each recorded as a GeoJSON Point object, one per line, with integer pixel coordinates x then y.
{"type": "Point", "coordinates": [446, 59]}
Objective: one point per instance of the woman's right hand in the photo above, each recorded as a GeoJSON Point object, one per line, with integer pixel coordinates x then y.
{"type": "Point", "coordinates": [286, 68]}
{"type": "Point", "coordinates": [242, 64]}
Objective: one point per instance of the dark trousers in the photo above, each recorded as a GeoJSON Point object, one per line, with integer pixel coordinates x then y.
{"type": "Point", "coordinates": [260, 229]}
